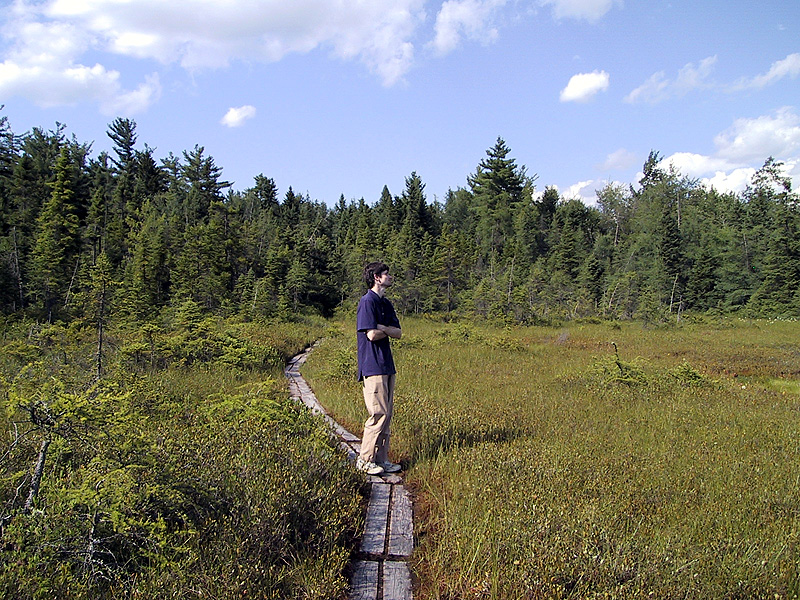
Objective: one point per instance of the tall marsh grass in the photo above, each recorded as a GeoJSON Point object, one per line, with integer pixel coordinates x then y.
{"type": "Point", "coordinates": [595, 461]}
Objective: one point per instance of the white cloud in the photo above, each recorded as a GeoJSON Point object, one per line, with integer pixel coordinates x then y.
{"type": "Point", "coordinates": [583, 86]}
{"type": "Point", "coordinates": [590, 10]}
{"type": "Point", "coordinates": [742, 149]}
{"type": "Point", "coordinates": [42, 66]}
{"type": "Point", "coordinates": [135, 101]}
{"type": "Point", "coordinates": [583, 191]}
{"type": "Point", "coordinates": [652, 90]}
{"type": "Point", "coordinates": [734, 181]}
{"type": "Point", "coordinates": [206, 34]}
{"type": "Point", "coordinates": [618, 160]}
{"type": "Point", "coordinates": [464, 18]}
{"type": "Point", "coordinates": [236, 117]}
{"type": "Point", "coordinates": [658, 87]}
{"type": "Point", "coordinates": [750, 140]}
{"type": "Point", "coordinates": [693, 78]}
{"type": "Point", "coordinates": [788, 67]}
{"type": "Point", "coordinates": [694, 165]}
{"type": "Point", "coordinates": [46, 42]}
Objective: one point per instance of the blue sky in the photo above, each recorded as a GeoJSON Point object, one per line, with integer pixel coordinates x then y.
{"type": "Point", "coordinates": [338, 97]}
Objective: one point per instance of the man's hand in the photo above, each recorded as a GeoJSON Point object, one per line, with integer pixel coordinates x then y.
{"type": "Point", "coordinates": [382, 331]}
{"type": "Point", "coordinates": [393, 332]}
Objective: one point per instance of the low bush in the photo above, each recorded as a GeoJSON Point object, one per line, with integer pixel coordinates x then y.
{"type": "Point", "coordinates": [181, 478]}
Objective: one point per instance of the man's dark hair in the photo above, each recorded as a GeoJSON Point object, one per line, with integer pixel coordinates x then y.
{"type": "Point", "coordinates": [372, 269]}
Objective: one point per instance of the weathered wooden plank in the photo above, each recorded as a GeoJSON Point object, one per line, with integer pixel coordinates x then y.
{"type": "Point", "coordinates": [401, 524]}
{"type": "Point", "coordinates": [374, 539]}
{"type": "Point", "coordinates": [349, 437]}
{"type": "Point", "coordinates": [396, 581]}
{"type": "Point", "coordinates": [364, 583]}
{"type": "Point", "coordinates": [351, 454]}
{"type": "Point", "coordinates": [342, 432]}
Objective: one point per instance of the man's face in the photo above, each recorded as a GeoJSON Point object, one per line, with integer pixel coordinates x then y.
{"type": "Point", "coordinates": [384, 279]}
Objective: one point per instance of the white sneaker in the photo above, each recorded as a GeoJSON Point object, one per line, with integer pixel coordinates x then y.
{"type": "Point", "coordinates": [390, 467]}
{"type": "Point", "coordinates": [370, 468]}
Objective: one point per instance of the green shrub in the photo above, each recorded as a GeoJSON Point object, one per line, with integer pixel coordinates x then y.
{"type": "Point", "coordinates": [198, 481]}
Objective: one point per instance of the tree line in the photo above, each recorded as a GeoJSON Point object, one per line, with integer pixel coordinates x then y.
{"type": "Point", "coordinates": [126, 234]}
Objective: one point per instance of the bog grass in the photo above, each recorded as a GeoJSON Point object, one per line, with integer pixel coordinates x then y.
{"type": "Point", "coordinates": [593, 460]}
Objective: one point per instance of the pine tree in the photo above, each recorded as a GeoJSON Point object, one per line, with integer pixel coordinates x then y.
{"type": "Point", "coordinates": [702, 291]}
{"type": "Point", "coordinates": [148, 277]}
{"type": "Point", "coordinates": [497, 187]}
{"type": "Point", "coordinates": [547, 206]}
{"type": "Point", "coordinates": [204, 186]}
{"type": "Point", "coordinates": [781, 269]}
{"type": "Point", "coordinates": [57, 245]}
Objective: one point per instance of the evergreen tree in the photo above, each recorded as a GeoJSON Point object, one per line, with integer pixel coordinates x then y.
{"type": "Point", "coordinates": [458, 211]}
{"type": "Point", "coordinates": [123, 213]}
{"type": "Point", "coordinates": [57, 245]}
{"type": "Point", "coordinates": [123, 135]}
{"type": "Point", "coordinates": [702, 291]}
{"type": "Point", "coordinates": [497, 188]}
{"type": "Point", "coordinates": [148, 274]}
{"type": "Point", "coordinates": [781, 269]}
{"type": "Point", "coordinates": [546, 206]}
{"type": "Point", "coordinates": [204, 186]}
{"type": "Point", "coordinates": [388, 211]}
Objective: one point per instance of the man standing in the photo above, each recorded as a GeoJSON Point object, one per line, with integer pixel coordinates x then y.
{"type": "Point", "coordinates": [376, 322]}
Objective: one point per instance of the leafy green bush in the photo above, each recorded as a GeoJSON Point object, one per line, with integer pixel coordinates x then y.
{"type": "Point", "coordinates": [200, 481]}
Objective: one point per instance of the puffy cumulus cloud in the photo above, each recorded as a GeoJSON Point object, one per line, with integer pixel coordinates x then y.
{"type": "Point", "coordinates": [694, 165]}
{"type": "Point", "coordinates": [659, 87]}
{"type": "Point", "coordinates": [46, 42]}
{"type": "Point", "coordinates": [788, 67]}
{"type": "Point", "coordinates": [236, 117]}
{"type": "Point", "coordinates": [42, 66]}
{"type": "Point", "coordinates": [583, 86]}
{"type": "Point", "coordinates": [734, 181]}
{"type": "Point", "coordinates": [747, 140]}
{"type": "Point", "coordinates": [134, 101]}
{"type": "Point", "coordinates": [619, 160]}
{"type": "Point", "coordinates": [585, 191]}
{"type": "Point", "coordinates": [470, 19]}
{"type": "Point", "coordinates": [208, 34]}
{"type": "Point", "coordinates": [589, 10]}
{"type": "Point", "coordinates": [742, 149]}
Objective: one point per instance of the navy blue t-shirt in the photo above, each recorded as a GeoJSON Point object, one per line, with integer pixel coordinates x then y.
{"type": "Point", "coordinates": [374, 358]}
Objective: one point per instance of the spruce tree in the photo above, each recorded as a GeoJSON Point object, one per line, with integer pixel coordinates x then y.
{"type": "Point", "coordinates": [57, 245]}
{"type": "Point", "coordinates": [497, 187]}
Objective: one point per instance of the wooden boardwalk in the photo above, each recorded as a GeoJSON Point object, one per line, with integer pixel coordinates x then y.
{"type": "Point", "coordinates": [380, 571]}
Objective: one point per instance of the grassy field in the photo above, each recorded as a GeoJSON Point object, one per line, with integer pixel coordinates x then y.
{"type": "Point", "coordinates": [593, 460]}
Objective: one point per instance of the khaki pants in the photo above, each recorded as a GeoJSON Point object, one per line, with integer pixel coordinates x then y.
{"type": "Point", "coordinates": [379, 399]}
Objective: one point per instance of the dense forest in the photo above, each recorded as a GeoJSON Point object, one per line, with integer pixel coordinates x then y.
{"type": "Point", "coordinates": [130, 235]}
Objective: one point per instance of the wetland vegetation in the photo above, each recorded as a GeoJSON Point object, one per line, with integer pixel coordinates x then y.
{"type": "Point", "coordinates": [549, 464]}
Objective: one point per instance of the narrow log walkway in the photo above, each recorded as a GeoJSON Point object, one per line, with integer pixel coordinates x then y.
{"type": "Point", "coordinates": [380, 571]}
